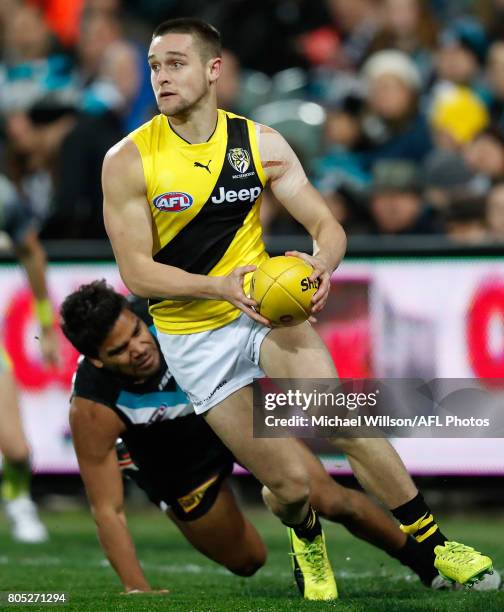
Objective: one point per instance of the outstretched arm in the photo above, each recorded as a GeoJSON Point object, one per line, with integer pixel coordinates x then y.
{"type": "Point", "coordinates": [129, 226]}
{"type": "Point", "coordinates": [95, 429]}
{"type": "Point", "coordinates": [293, 190]}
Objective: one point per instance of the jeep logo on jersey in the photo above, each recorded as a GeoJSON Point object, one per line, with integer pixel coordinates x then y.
{"type": "Point", "coordinates": [239, 159]}
{"type": "Point", "coordinates": [230, 195]}
{"type": "Point", "coordinates": [174, 201]}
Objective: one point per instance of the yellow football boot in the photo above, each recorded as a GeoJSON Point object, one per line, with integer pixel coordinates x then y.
{"type": "Point", "coordinates": [459, 563]}
{"type": "Point", "coordinates": [312, 569]}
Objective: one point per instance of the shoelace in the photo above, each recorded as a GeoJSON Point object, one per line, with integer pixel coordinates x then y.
{"type": "Point", "coordinates": [467, 553]}
{"type": "Point", "coordinates": [314, 555]}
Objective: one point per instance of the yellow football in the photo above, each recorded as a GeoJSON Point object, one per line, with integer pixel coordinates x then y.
{"type": "Point", "coordinates": [282, 288]}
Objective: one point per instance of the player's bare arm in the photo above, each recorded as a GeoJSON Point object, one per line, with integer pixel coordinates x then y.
{"type": "Point", "coordinates": [293, 190]}
{"type": "Point", "coordinates": [33, 259]}
{"type": "Point", "coordinates": [95, 429]}
{"type": "Point", "coordinates": [129, 227]}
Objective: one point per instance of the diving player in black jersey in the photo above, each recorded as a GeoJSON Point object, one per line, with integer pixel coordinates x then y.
{"type": "Point", "coordinates": [122, 389]}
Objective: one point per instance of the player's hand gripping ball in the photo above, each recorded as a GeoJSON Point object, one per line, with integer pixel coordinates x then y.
{"type": "Point", "coordinates": [282, 288]}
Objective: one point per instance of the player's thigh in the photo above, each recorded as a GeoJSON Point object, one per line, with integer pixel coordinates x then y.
{"type": "Point", "coordinates": [13, 443]}
{"type": "Point", "coordinates": [296, 352]}
{"type": "Point", "coordinates": [225, 535]}
{"type": "Point", "coordinates": [275, 462]}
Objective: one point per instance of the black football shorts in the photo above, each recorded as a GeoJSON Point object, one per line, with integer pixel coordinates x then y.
{"type": "Point", "coordinates": [180, 463]}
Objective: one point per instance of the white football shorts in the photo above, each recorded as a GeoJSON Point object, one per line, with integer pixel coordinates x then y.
{"type": "Point", "coordinates": [210, 365]}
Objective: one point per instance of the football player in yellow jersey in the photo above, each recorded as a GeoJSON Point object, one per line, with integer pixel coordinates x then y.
{"type": "Point", "coordinates": [20, 509]}
{"type": "Point", "coordinates": [181, 202]}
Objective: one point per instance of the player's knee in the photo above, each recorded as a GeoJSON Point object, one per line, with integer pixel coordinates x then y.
{"type": "Point", "coordinates": [250, 564]}
{"type": "Point", "coordinates": [250, 568]}
{"type": "Point", "coordinates": [251, 551]}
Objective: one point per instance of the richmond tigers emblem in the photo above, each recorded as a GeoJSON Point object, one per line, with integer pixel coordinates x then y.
{"type": "Point", "coordinates": [239, 159]}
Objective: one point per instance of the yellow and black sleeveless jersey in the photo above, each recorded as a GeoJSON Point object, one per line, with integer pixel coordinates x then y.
{"type": "Point", "coordinates": [204, 199]}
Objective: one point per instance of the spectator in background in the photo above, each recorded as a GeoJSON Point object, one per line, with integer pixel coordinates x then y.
{"type": "Point", "coordinates": [495, 212]}
{"type": "Point", "coordinates": [228, 85]}
{"type": "Point", "coordinates": [461, 55]}
{"type": "Point", "coordinates": [337, 48]}
{"type": "Point", "coordinates": [464, 220]}
{"type": "Point", "coordinates": [113, 73]}
{"type": "Point", "coordinates": [485, 154]}
{"type": "Point", "coordinates": [104, 6]}
{"type": "Point", "coordinates": [27, 37]}
{"type": "Point", "coordinates": [356, 23]}
{"type": "Point", "coordinates": [495, 74]}
{"type": "Point", "coordinates": [447, 178]}
{"type": "Point", "coordinates": [30, 154]}
{"type": "Point", "coordinates": [264, 35]}
{"type": "Point", "coordinates": [386, 125]}
{"type": "Point", "coordinates": [120, 66]}
{"type": "Point", "coordinates": [33, 62]}
{"type": "Point", "coordinates": [98, 32]}
{"type": "Point", "coordinates": [394, 125]}
{"type": "Point", "coordinates": [62, 16]}
{"type": "Point", "coordinates": [343, 140]}
{"type": "Point", "coordinates": [55, 138]}
{"type": "Point", "coordinates": [396, 202]}
{"type": "Point", "coordinates": [338, 173]}
{"type": "Point", "coordinates": [494, 19]}
{"type": "Point", "coordinates": [122, 69]}
{"type": "Point", "coordinates": [409, 26]}
{"type": "Point", "coordinates": [7, 7]}
{"type": "Point", "coordinates": [456, 116]}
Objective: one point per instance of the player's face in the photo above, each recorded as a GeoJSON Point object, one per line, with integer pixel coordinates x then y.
{"type": "Point", "coordinates": [179, 75]}
{"type": "Point", "coordinates": [129, 348]}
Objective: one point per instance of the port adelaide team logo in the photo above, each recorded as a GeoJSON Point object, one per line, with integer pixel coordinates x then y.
{"type": "Point", "coordinates": [174, 201]}
{"type": "Point", "coordinates": [240, 159]}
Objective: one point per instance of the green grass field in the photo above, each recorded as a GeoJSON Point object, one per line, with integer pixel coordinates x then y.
{"type": "Point", "coordinates": [367, 579]}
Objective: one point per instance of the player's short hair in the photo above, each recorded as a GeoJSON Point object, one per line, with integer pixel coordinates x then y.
{"type": "Point", "coordinates": [208, 38]}
{"type": "Point", "coordinates": [89, 314]}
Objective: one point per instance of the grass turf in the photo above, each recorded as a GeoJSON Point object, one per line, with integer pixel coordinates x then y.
{"type": "Point", "coordinates": [367, 579]}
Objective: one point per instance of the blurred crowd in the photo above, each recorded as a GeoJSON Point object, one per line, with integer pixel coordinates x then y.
{"type": "Point", "coordinates": [395, 107]}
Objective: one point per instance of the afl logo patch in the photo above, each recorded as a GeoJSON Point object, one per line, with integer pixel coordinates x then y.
{"type": "Point", "coordinates": [174, 201]}
{"type": "Point", "coordinates": [239, 159]}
